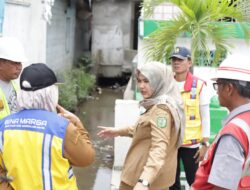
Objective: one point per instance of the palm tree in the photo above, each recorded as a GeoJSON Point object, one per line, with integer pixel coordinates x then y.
{"type": "Point", "coordinates": [198, 19]}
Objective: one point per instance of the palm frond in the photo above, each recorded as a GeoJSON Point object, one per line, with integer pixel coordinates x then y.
{"type": "Point", "coordinates": [200, 19]}
{"type": "Point", "coordinates": [161, 42]}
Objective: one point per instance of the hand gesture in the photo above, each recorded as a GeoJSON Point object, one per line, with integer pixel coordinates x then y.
{"type": "Point", "coordinates": [67, 114]}
{"type": "Point", "coordinates": [107, 132]}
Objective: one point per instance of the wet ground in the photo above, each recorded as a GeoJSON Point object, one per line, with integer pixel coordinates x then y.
{"type": "Point", "coordinates": [98, 110]}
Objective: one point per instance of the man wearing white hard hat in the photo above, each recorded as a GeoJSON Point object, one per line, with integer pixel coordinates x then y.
{"type": "Point", "coordinates": [11, 58]}
{"type": "Point", "coordinates": [227, 163]}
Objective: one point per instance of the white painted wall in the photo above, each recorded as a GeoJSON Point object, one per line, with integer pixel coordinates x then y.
{"type": "Point", "coordinates": [165, 11]}
{"type": "Point", "coordinates": [25, 22]}
{"type": "Point", "coordinates": [127, 113]}
{"type": "Point", "coordinates": [51, 44]}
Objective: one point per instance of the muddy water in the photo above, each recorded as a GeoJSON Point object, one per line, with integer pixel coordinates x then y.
{"type": "Point", "coordinates": [98, 110]}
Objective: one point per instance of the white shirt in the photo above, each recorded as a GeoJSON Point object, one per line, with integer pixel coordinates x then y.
{"type": "Point", "coordinates": [229, 157]}
{"type": "Point", "coordinates": [10, 95]}
{"type": "Point", "coordinates": [227, 164]}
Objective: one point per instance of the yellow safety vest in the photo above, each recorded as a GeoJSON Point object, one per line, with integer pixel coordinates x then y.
{"type": "Point", "coordinates": [191, 97]}
{"type": "Point", "coordinates": [32, 148]}
{"type": "Point", "coordinates": [4, 107]}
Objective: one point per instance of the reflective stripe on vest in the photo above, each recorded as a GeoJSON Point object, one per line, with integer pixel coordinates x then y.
{"type": "Point", "coordinates": [244, 183]}
{"type": "Point", "coordinates": [193, 132]}
{"type": "Point", "coordinates": [245, 127]}
{"type": "Point", "coordinates": [41, 144]}
{"type": "Point", "coordinates": [1, 141]}
{"type": "Point", "coordinates": [47, 181]}
{"type": "Point", "coordinates": [236, 127]}
{"type": "Point", "coordinates": [70, 172]}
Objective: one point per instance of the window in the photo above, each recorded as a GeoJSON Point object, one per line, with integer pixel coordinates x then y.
{"type": "Point", "coordinates": [165, 11]}
{"type": "Point", "coordinates": [244, 5]}
{"type": "Point", "coordinates": [200, 58]}
{"type": "Point", "coordinates": [246, 8]}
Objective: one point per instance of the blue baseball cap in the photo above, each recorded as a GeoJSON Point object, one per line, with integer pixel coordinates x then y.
{"type": "Point", "coordinates": [181, 53]}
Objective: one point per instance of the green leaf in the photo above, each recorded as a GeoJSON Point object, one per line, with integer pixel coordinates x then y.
{"type": "Point", "coordinates": [198, 18]}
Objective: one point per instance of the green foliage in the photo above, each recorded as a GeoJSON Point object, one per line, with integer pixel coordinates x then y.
{"type": "Point", "coordinates": [85, 83]}
{"type": "Point", "coordinates": [67, 92]}
{"type": "Point", "coordinates": [197, 18]}
{"type": "Point", "coordinates": [199, 58]}
{"type": "Point", "coordinates": [76, 87]}
{"type": "Point", "coordinates": [85, 62]}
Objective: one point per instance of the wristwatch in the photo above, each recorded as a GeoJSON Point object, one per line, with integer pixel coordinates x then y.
{"type": "Point", "coordinates": [144, 182]}
{"type": "Point", "coordinates": [205, 143]}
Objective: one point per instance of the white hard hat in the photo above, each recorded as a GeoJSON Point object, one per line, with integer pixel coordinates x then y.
{"type": "Point", "coordinates": [235, 67]}
{"type": "Point", "coordinates": [12, 49]}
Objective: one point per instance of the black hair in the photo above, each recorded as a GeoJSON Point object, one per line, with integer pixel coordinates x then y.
{"type": "Point", "coordinates": [242, 87]}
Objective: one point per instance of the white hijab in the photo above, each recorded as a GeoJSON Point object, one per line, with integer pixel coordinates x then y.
{"type": "Point", "coordinates": [165, 91]}
{"type": "Point", "coordinates": [45, 99]}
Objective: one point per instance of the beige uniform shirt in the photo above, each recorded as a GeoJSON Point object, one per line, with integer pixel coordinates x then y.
{"type": "Point", "coordinates": [153, 153]}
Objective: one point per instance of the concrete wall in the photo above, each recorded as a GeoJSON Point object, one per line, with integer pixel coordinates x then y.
{"type": "Point", "coordinates": [122, 144]}
{"type": "Point", "coordinates": [111, 35]}
{"type": "Point", "coordinates": [61, 35]}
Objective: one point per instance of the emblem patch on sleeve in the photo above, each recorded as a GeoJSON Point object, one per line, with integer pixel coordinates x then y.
{"type": "Point", "coordinates": [161, 122]}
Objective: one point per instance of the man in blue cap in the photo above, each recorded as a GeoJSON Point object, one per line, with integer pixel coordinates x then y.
{"type": "Point", "coordinates": [196, 102]}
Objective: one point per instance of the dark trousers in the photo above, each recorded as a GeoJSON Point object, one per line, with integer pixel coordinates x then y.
{"type": "Point", "coordinates": [190, 167]}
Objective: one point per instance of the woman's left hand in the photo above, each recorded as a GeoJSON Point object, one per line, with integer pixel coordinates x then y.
{"type": "Point", "coordinates": [67, 114]}
{"type": "Point", "coordinates": [139, 186]}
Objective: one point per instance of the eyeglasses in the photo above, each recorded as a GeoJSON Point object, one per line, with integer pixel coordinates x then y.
{"type": "Point", "coordinates": [216, 85]}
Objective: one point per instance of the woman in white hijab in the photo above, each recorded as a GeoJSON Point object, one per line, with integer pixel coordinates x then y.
{"type": "Point", "coordinates": [41, 142]}
{"type": "Point", "coordinates": [151, 161]}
